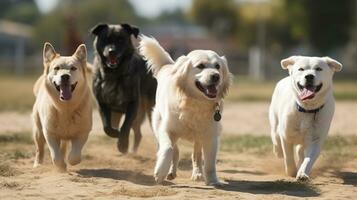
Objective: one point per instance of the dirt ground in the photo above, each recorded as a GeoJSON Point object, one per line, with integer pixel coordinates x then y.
{"type": "Point", "coordinates": [106, 174]}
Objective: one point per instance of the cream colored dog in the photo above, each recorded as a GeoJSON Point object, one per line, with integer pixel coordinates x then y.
{"type": "Point", "coordinates": [63, 108]}
{"type": "Point", "coordinates": [189, 96]}
{"type": "Point", "coordinates": [301, 111]}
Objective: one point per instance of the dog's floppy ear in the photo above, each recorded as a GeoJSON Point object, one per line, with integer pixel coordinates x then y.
{"type": "Point", "coordinates": [131, 29]}
{"type": "Point", "coordinates": [181, 69]}
{"type": "Point", "coordinates": [81, 53]}
{"type": "Point", "coordinates": [287, 62]}
{"type": "Point", "coordinates": [98, 28]}
{"type": "Point", "coordinates": [333, 64]}
{"type": "Point", "coordinates": [227, 78]}
{"type": "Point", "coordinates": [49, 53]}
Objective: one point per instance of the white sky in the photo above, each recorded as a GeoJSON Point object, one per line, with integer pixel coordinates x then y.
{"type": "Point", "coordinates": [46, 5]}
{"type": "Point", "coordinates": [144, 8]}
{"type": "Point", "coordinates": [153, 8]}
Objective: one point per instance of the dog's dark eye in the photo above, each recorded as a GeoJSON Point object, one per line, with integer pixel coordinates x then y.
{"type": "Point", "coordinates": [73, 68]}
{"type": "Point", "coordinates": [318, 69]}
{"type": "Point", "coordinates": [217, 66]}
{"type": "Point", "coordinates": [201, 66]}
{"type": "Point", "coordinates": [56, 68]}
{"type": "Point", "coordinates": [301, 69]}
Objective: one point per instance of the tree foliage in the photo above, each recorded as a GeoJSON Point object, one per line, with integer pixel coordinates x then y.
{"type": "Point", "coordinates": [219, 16]}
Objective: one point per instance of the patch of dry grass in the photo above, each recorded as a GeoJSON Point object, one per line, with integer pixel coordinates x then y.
{"type": "Point", "coordinates": [155, 191]}
{"type": "Point", "coordinates": [6, 170]}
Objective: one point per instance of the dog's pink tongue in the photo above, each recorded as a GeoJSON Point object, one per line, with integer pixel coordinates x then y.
{"type": "Point", "coordinates": [307, 94]}
{"type": "Point", "coordinates": [65, 92]}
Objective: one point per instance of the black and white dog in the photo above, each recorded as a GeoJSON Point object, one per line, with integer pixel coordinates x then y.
{"type": "Point", "coordinates": [121, 83]}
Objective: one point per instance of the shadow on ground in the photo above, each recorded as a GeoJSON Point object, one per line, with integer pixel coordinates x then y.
{"type": "Point", "coordinates": [134, 177]}
{"type": "Point", "coordinates": [349, 178]}
{"type": "Point", "coordinates": [290, 188]}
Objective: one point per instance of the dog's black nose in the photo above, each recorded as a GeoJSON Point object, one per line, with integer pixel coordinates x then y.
{"type": "Point", "coordinates": [215, 78]}
{"type": "Point", "coordinates": [65, 77]}
{"type": "Point", "coordinates": [111, 51]}
{"type": "Point", "coordinates": [309, 77]}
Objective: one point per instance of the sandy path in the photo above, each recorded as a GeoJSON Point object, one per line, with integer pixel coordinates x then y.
{"type": "Point", "coordinates": [105, 174]}
{"type": "Point", "coordinates": [238, 118]}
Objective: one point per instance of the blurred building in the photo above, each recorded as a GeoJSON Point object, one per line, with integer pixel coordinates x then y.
{"type": "Point", "coordinates": [14, 46]}
{"type": "Point", "coordinates": [180, 39]}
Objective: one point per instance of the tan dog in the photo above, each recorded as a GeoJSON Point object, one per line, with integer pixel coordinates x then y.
{"type": "Point", "coordinates": [63, 108]}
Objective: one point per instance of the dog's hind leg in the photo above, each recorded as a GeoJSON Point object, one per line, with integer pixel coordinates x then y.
{"type": "Point", "coordinates": [289, 161]}
{"type": "Point", "coordinates": [173, 168]}
{"type": "Point", "coordinates": [63, 148]}
{"type": "Point", "coordinates": [139, 119]}
{"type": "Point", "coordinates": [105, 114]}
{"type": "Point", "coordinates": [39, 143]}
{"type": "Point", "coordinates": [137, 136]}
{"type": "Point", "coordinates": [197, 174]}
{"type": "Point", "coordinates": [275, 137]}
{"type": "Point", "coordinates": [115, 119]}
{"type": "Point", "coordinates": [300, 154]}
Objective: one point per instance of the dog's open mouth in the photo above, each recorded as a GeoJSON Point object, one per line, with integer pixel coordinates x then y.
{"type": "Point", "coordinates": [65, 90]}
{"type": "Point", "coordinates": [112, 61]}
{"type": "Point", "coordinates": [308, 91]}
{"type": "Point", "coordinates": [210, 91]}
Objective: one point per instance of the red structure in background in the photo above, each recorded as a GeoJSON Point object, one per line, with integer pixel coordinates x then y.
{"type": "Point", "coordinates": [72, 38]}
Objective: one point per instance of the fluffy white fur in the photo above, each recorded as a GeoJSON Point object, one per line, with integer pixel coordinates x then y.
{"type": "Point", "coordinates": [184, 111]}
{"type": "Point", "coordinates": [58, 121]}
{"type": "Point", "coordinates": [305, 131]}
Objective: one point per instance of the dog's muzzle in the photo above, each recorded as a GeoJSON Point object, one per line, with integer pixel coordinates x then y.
{"type": "Point", "coordinates": [65, 89]}
{"type": "Point", "coordinates": [308, 91]}
{"type": "Point", "coordinates": [210, 90]}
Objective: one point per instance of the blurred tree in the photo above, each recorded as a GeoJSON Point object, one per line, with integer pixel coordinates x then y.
{"type": "Point", "coordinates": [23, 11]}
{"type": "Point", "coordinates": [175, 17]}
{"type": "Point", "coordinates": [220, 17]}
{"type": "Point", "coordinates": [329, 22]}
{"type": "Point", "coordinates": [86, 14]}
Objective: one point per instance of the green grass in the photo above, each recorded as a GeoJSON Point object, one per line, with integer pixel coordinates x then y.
{"type": "Point", "coordinates": [17, 91]}
{"type": "Point", "coordinates": [16, 138]}
{"type": "Point", "coordinates": [247, 143]}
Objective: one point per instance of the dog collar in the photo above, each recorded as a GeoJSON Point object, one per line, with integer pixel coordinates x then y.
{"type": "Point", "coordinates": [301, 109]}
{"type": "Point", "coordinates": [217, 113]}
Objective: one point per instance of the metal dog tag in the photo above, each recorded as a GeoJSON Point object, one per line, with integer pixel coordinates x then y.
{"type": "Point", "coordinates": [217, 116]}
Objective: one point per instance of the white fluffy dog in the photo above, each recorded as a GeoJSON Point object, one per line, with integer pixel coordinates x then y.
{"type": "Point", "coordinates": [301, 111]}
{"type": "Point", "coordinates": [188, 105]}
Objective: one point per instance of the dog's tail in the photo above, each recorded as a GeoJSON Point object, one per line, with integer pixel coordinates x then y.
{"type": "Point", "coordinates": [155, 55]}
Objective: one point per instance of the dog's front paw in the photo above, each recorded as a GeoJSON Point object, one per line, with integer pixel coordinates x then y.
{"type": "Point", "coordinates": [74, 159]}
{"type": "Point", "coordinates": [111, 132]}
{"type": "Point", "coordinates": [171, 176]}
{"type": "Point", "coordinates": [123, 144]}
{"type": "Point", "coordinates": [215, 183]}
{"type": "Point", "coordinates": [198, 176]}
{"type": "Point", "coordinates": [159, 178]}
{"type": "Point", "coordinates": [302, 177]}
{"type": "Point", "coordinates": [36, 164]}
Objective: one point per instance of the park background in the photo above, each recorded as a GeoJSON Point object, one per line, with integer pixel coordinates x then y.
{"type": "Point", "coordinates": [254, 35]}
